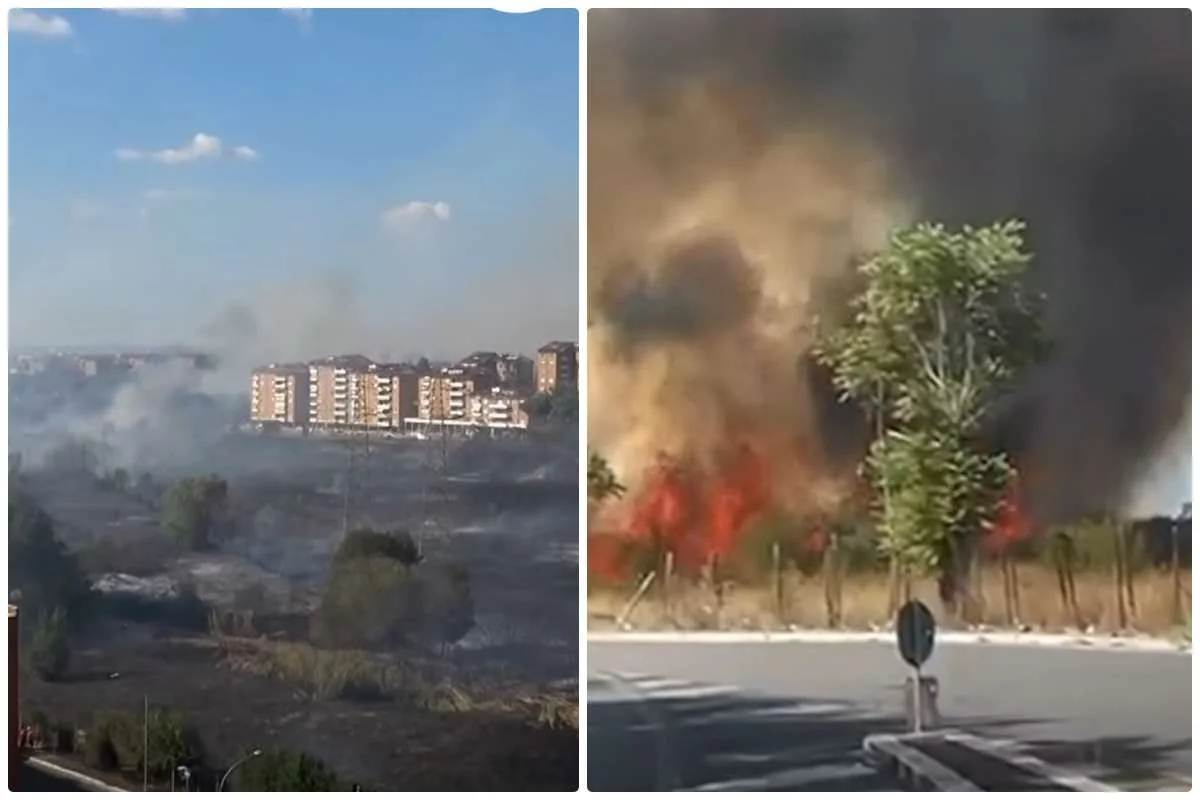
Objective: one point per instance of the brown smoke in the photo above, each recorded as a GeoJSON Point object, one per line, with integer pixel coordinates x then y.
{"type": "Point", "coordinates": [740, 161]}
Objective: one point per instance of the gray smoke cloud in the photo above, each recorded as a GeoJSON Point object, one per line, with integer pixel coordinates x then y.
{"type": "Point", "coordinates": [798, 138]}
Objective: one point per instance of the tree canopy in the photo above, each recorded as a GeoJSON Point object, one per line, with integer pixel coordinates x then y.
{"type": "Point", "coordinates": [39, 566]}
{"type": "Point", "coordinates": [943, 330]}
{"type": "Point", "coordinates": [192, 509]}
{"type": "Point", "coordinates": [602, 481]}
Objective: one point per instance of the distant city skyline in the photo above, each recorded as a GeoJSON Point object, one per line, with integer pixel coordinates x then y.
{"type": "Point", "coordinates": [258, 182]}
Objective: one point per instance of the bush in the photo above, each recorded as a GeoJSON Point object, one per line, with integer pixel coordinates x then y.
{"type": "Point", "coordinates": [99, 752]}
{"type": "Point", "coordinates": [285, 771]}
{"type": "Point", "coordinates": [39, 566]}
{"type": "Point", "coordinates": [116, 741]}
{"type": "Point", "coordinates": [369, 602]}
{"type": "Point", "coordinates": [62, 738]}
{"type": "Point", "coordinates": [192, 508]}
{"type": "Point", "coordinates": [172, 743]}
{"type": "Point", "coordinates": [50, 653]}
{"type": "Point", "coordinates": [366, 543]}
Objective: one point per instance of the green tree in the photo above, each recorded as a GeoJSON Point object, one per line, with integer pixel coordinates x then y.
{"type": "Point", "coordinates": [49, 653]}
{"type": "Point", "coordinates": [172, 743]}
{"type": "Point", "coordinates": [192, 509]}
{"type": "Point", "coordinates": [285, 771]}
{"type": "Point", "coordinates": [564, 405]}
{"type": "Point", "coordinates": [369, 602]}
{"type": "Point", "coordinates": [367, 543]}
{"type": "Point", "coordinates": [40, 569]}
{"type": "Point", "coordinates": [602, 481]}
{"type": "Point", "coordinates": [940, 334]}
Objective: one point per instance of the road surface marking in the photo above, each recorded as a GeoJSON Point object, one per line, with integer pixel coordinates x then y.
{"type": "Point", "coordinates": [789, 778]}
{"type": "Point", "coordinates": [1007, 638]}
{"type": "Point", "coordinates": [944, 778]}
{"type": "Point", "coordinates": [1012, 752]}
{"type": "Point", "coordinates": [666, 777]}
{"type": "Point", "coordinates": [70, 774]}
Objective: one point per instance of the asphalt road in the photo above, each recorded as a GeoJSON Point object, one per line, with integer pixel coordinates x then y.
{"type": "Point", "coordinates": [30, 778]}
{"type": "Point", "coordinates": [755, 716]}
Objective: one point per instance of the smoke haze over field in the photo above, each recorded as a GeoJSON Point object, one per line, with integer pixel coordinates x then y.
{"type": "Point", "coordinates": [742, 161]}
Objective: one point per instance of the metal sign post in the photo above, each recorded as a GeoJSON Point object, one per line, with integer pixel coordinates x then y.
{"type": "Point", "coordinates": [916, 699]}
{"type": "Point", "coordinates": [914, 633]}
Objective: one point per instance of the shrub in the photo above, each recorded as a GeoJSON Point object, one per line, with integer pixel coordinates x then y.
{"type": "Point", "coordinates": [39, 566]}
{"type": "Point", "coordinates": [50, 653]}
{"type": "Point", "coordinates": [116, 741]}
{"type": "Point", "coordinates": [192, 508]}
{"type": "Point", "coordinates": [369, 602]}
{"type": "Point", "coordinates": [99, 752]}
{"type": "Point", "coordinates": [62, 738]}
{"type": "Point", "coordinates": [285, 771]}
{"type": "Point", "coordinates": [366, 543]}
{"type": "Point", "coordinates": [172, 742]}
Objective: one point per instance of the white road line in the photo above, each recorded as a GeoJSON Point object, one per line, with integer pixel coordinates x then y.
{"type": "Point", "coordinates": [1066, 640]}
{"type": "Point", "coordinates": [666, 777]}
{"type": "Point", "coordinates": [669, 689]}
{"type": "Point", "coordinates": [944, 778]}
{"type": "Point", "coordinates": [789, 778]}
{"type": "Point", "coordinates": [1012, 752]}
{"type": "Point", "coordinates": [70, 774]}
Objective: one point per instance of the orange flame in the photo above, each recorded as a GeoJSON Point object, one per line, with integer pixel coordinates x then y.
{"type": "Point", "coordinates": [1012, 525]}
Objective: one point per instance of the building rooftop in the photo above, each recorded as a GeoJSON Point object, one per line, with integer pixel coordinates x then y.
{"type": "Point", "coordinates": [557, 347]}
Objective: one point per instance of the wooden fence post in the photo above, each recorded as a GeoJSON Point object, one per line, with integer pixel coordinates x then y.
{"type": "Point", "coordinates": [1016, 590]}
{"type": "Point", "coordinates": [1130, 543]}
{"type": "Point", "coordinates": [893, 587]}
{"type": "Point", "coordinates": [1119, 574]}
{"type": "Point", "coordinates": [777, 577]}
{"type": "Point", "coordinates": [668, 580]}
{"type": "Point", "coordinates": [1176, 586]}
{"type": "Point", "coordinates": [633, 601]}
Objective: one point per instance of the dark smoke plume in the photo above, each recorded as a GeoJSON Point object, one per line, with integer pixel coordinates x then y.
{"type": "Point", "coordinates": [798, 138]}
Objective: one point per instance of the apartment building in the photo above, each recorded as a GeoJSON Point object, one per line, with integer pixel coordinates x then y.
{"type": "Point", "coordinates": [500, 408]}
{"type": "Point", "coordinates": [515, 372]}
{"type": "Point", "coordinates": [557, 366]}
{"type": "Point", "coordinates": [390, 395]}
{"type": "Point", "coordinates": [337, 391]}
{"type": "Point", "coordinates": [279, 394]}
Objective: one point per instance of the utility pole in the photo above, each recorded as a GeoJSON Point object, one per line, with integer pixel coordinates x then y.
{"type": "Point", "coordinates": [145, 743]}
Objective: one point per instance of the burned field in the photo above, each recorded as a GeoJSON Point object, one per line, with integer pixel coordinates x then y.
{"type": "Point", "coordinates": [225, 633]}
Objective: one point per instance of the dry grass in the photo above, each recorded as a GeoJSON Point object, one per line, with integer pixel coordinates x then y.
{"type": "Point", "coordinates": [865, 603]}
{"type": "Point", "coordinates": [319, 674]}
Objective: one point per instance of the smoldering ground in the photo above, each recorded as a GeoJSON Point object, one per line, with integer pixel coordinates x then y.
{"type": "Point", "coordinates": [797, 139]}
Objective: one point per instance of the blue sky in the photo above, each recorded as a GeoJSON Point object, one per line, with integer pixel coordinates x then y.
{"type": "Point", "coordinates": [170, 174]}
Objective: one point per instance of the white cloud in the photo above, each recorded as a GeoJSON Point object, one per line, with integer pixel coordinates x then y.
{"type": "Point", "coordinates": [303, 16]}
{"type": "Point", "coordinates": [167, 14]}
{"type": "Point", "coordinates": [201, 146]}
{"type": "Point", "coordinates": [398, 217]}
{"type": "Point", "coordinates": [50, 27]}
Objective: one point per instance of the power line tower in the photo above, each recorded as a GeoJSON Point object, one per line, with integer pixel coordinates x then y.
{"type": "Point", "coordinates": [356, 485]}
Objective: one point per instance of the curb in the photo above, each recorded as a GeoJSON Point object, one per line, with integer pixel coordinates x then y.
{"type": "Point", "coordinates": [916, 771]}
{"type": "Point", "coordinates": [62, 772]}
{"type": "Point", "coordinates": [1082, 642]}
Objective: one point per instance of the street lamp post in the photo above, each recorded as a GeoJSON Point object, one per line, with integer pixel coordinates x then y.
{"type": "Point", "coordinates": [252, 754]}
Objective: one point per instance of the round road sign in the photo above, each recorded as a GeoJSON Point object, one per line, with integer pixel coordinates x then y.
{"type": "Point", "coordinates": [914, 632]}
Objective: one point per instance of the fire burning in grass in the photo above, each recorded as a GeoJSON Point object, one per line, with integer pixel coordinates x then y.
{"type": "Point", "coordinates": [697, 512]}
